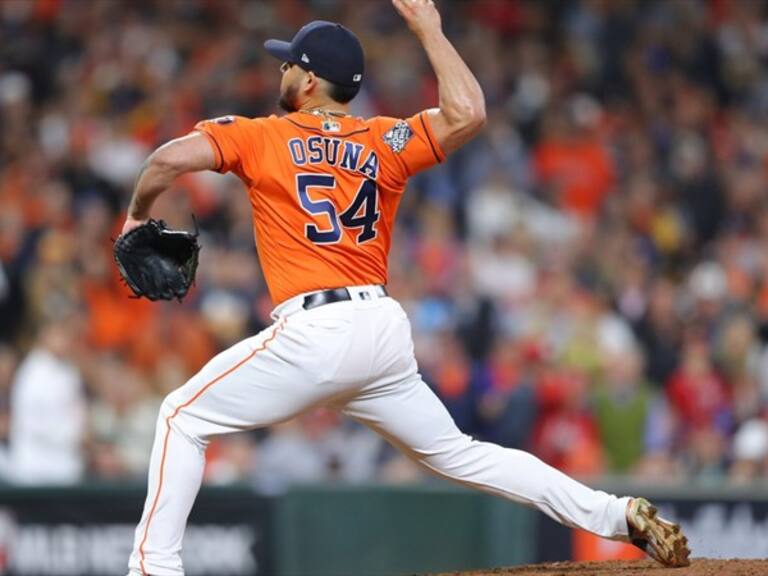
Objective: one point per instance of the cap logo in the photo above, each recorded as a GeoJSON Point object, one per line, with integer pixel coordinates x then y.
{"type": "Point", "coordinates": [357, 77]}
{"type": "Point", "coordinates": [305, 58]}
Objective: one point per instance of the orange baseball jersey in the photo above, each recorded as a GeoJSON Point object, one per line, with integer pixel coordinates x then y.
{"type": "Point", "coordinates": [324, 191]}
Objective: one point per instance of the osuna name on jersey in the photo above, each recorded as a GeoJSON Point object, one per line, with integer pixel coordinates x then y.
{"type": "Point", "coordinates": [330, 151]}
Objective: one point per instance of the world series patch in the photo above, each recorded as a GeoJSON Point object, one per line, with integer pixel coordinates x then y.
{"type": "Point", "coordinates": [397, 136]}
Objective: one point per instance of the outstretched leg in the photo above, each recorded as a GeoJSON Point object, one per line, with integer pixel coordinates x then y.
{"type": "Point", "coordinates": [396, 403]}
{"type": "Point", "coordinates": [411, 417]}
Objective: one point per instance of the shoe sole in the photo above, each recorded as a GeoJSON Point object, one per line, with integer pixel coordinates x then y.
{"type": "Point", "coordinates": [666, 538]}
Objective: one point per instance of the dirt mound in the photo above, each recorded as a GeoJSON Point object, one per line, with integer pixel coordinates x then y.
{"type": "Point", "coordinates": [698, 567]}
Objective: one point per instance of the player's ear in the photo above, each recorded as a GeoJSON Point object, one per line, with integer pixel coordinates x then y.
{"type": "Point", "coordinates": [309, 83]}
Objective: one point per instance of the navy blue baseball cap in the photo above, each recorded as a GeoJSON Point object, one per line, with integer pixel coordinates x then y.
{"type": "Point", "coordinates": [328, 49]}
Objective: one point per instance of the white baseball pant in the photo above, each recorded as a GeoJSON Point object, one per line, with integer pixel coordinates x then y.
{"type": "Point", "coordinates": [355, 356]}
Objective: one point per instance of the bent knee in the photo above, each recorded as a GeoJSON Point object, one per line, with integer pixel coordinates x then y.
{"type": "Point", "coordinates": [171, 405]}
{"type": "Point", "coordinates": [173, 415]}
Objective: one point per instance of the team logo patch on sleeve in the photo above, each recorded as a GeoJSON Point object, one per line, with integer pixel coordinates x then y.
{"type": "Point", "coordinates": [397, 136]}
{"type": "Point", "coordinates": [224, 120]}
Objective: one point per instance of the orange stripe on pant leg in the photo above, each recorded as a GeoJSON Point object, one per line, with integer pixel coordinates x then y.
{"type": "Point", "coordinates": [168, 432]}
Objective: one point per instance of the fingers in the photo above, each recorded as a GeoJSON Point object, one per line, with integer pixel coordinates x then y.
{"type": "Point", "coordinates": [130, 224]}
{"type": "Point", "coordinates": [410, 7]}
{"type": "Point", "coordinates": [399, 6]}
{"type": "Point", "coordinates": [418, 14]}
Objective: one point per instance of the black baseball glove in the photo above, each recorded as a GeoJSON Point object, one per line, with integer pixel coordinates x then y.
{"type": "Point", "coordinates": [156, 262]}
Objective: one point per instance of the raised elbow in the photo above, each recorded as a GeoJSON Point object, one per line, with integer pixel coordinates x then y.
{"type": "Point", "coordinates": [470, 116]}
{"type": "Point", "coordinates": [477, 117]}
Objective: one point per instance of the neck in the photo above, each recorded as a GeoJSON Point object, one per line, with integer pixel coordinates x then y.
{"type": "Point", "coordinates": [324, 105]}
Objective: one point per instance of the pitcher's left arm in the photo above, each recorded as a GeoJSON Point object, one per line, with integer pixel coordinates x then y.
{"type": "Point", "coordinates": [190, 153]}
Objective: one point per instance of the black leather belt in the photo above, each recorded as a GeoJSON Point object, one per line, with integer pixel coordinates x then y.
{"type": "Point", "coordinates": [337, 295]}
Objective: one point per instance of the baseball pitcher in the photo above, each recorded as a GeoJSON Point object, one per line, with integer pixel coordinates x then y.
{"type": "Point", "coordinates": [324, 188]}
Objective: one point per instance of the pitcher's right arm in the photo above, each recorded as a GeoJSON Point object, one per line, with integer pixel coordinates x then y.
{"type": "Point", "coordinates": [461, 112]}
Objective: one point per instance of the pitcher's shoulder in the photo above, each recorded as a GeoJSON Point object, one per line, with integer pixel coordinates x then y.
{"type": "Point", "coordinates": [381, 123]}
{"type": "Point", "coordinates": [232, 123]}
{"type": "Point", "coordinates": [271, 119]}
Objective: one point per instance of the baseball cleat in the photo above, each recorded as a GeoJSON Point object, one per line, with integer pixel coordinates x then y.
{"type": "Point", "coordinates": [661, 539]}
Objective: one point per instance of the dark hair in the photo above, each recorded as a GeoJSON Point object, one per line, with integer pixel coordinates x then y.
{"type": "Point", "coordinates": [342, 94]}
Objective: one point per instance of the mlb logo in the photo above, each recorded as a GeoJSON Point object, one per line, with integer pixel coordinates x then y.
{"type": "Point", "coordinates": [331, 126]}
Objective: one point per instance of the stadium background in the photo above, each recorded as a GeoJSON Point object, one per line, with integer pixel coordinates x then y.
{"type": "Point", "coordinates": [587, 280]}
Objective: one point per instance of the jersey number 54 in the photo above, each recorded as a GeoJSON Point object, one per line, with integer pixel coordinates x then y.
{"type": "Point", "coordinates": [361, 213]}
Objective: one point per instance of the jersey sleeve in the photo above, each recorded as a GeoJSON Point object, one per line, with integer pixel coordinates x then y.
{"type": "Point", "coordinates": [237, 142]}
{"type": "Point", "coordinates": [409, 146]}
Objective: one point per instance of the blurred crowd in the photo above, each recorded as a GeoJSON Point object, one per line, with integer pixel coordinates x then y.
{"type": "Point", "coordinates": [587, 280]}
